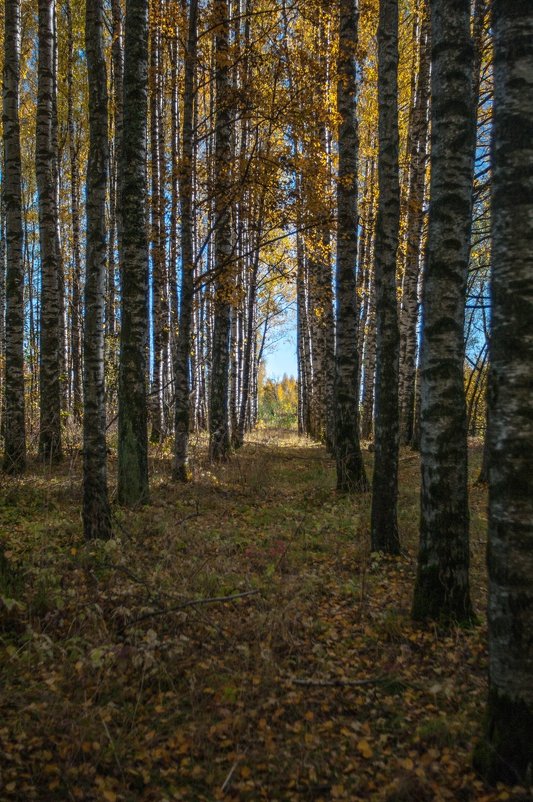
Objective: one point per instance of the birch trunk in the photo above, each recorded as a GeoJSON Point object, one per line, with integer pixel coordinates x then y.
{"type": "Point", "coordinates": [117, 59]}
{"type": "Point", "coordinates": [3, 270]}
{"type": "Point", "coordinates": [14, 429]}
{"type": "Point", "coordinates": [418, 136]}
{"type": "Point", "coordinates": [369, 364]}
{"type": "Point", "coordinates": [159, 286]}
{"type": "Point", "coordinates": [384, 524]}
{"type": "Point", "coordinates": [75, 307]}
{"type": "Point", "coordinates": [182, 368]}
{"type": "Point", "coordinates": [350, 469]}
{"type": "Point", "coordinates": [51, 306]}
{"type": "Point", "coordinates": [219, 436]}
{"type": "Point", "coordinates": [132, 422]}
{"type": "Point", "coordinates": [442, 586]}
{"type": "Point", "coordinates": [174, 195]}
{"type": "Point", "coordinates": [507, 754]}
{"type": "Point", "coordinates": [96, 511]}
{"type": "Point", "coordinates": [302, 334]}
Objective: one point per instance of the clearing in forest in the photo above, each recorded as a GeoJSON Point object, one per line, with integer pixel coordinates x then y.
{"type": "Point", "coordinates": [125, 677]}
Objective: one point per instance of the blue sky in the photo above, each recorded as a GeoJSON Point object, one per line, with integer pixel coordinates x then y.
{"type": "Point", "coordinates": [282, 359]}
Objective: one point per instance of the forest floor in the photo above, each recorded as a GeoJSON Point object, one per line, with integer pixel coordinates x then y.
{"type": "Point", "coordinates": [313, 684]}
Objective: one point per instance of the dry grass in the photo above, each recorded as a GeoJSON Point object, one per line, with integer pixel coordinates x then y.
{"type": "Point", "coordinates": [110, 692]}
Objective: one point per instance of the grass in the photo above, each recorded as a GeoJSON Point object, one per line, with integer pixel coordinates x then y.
{"type": "Point", "coordinates": [113, 690]}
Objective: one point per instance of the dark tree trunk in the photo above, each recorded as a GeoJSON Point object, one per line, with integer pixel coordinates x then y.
{"type": "Point", "coordinates": [219, 436]}
{"type": "Point", "coordinates": [182, 369]}
{"type": "Point", "coordinates": [14, 428]}
{"type": "Point", "coordinates": [51, 301]}
{"type": "Point", "coordinates": [132, 422]}
{"type": "Point", "coordinates": [384, 525]}
{"type": "Point", "coordinates": [350, 469]}
{"type": "Point", "coordinates": [75, 304]}
{"type": "Point", "coordinates": [96, 512]}
{"type": "Point", "coordinates": [507, 753]}
{"type": "Point", "coordinates": [117, 58]}
{"type": "Point", "coordinates": [158, 231]}
{"type": "Point", "coordinates": [442, 587]}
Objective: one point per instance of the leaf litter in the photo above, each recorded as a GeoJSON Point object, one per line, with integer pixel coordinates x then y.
{"type": "Point", "coordinates": [236, 640]}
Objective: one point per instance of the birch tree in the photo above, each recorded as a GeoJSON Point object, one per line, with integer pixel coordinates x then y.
{"type": "Point", "coordinates": [96, 512]}
{"type": "Point", "coordinates": [14, 422]}
{"type": "Point", "coordinates": [384, 525]}
{"type": "Point", "coordinates": [47, 171]}
{"type": "Point", "coordinates": [183, 362]}
{"type": "Point", "coordinates": [442, 584]}
{"type": "Point", "coordinates": [219, 436]}
{"type": "Point", "coordinates": [417, 152]}
{"type": "Point", "coordinates": [507, 752]}
{"type": "Point", "coordinates": [132, 421]}
{"type": "Point", "coordinates": [350, 469]}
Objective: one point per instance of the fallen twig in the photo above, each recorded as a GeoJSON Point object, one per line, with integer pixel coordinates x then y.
{"type": "Point", "coordinates": [229, 775]}
{"type": "Point", "coordinates": [289, 543]}
{"type": "Point", "coordinates": [189, 603]}
{"type": "Point", "coordinates": [340, 683]}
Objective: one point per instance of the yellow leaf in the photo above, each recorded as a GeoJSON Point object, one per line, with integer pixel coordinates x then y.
{"type": "Point", "coordinates": [109, 796]}
{"type": "Point", "coordinates": [365, 749]}
{"type": "Point", "coordinates": [347, 732]}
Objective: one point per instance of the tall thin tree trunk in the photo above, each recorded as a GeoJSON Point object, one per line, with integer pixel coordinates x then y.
{"type": "Point", "coordinates": [369, 364]}
{"type": "Point", "coordinates": [302, 333]}
{"type": "Point", "coordinates": [249, 339]}
{"type": "Point", "coordinates": [115, 199]}
{"type": "Point", "coordinates": [159, 289]}
{"type": "Point", "coordinates": [418, 136]}
{"type": "Point", "coordinates": [507, 754]}
{"type": "Point", "coordinates": [384, 524]}
{"type": "Point", "coordinates": [174, 196]}
{"type": "Point", "coordinates": [51, 307]}
{"type": "Point", "coordinates": [350, 469]}
{"type": "Point", "coordinates": [75, 311]}
{"type": "Point", "coordinates": [442, 586]}
{"type": "Point", "coordinates": [182, 369]}
{"type": "Point", "coordinates": [14, 429]}
{"type": "Point", "coordinates": [96, 511]}
{"type": "Point", "coordinates": [132, 422]}
{"type": "Point", "coordinates": [219, 439]}
{"type": "Point", "coordinates": [3, 271]}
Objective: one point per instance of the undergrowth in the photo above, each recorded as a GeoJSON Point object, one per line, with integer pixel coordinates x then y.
{"type": "Point", "coordinates": [126, 675]}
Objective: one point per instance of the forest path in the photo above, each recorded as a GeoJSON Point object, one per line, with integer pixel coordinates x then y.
{"type": "Point", "coordinates": [126, 678]}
